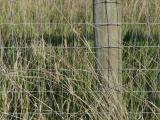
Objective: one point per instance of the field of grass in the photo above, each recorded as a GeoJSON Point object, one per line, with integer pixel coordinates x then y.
{"type": "Point", "coordinates": [47, 62]}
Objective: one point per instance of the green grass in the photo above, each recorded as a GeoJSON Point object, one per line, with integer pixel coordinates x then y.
{"type": "Point", "coordinates": [49, 68]}
{"type": "Point", "coordinates": [145, 62]}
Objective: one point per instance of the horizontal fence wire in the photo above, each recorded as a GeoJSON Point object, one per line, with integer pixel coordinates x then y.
{"type": "Point", "coordinates": [52, 55]}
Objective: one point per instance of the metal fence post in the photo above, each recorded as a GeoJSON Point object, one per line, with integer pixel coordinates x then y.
{"type": "Point", "coordinates": [107, 19]}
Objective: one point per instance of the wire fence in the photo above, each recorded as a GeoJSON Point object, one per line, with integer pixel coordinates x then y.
{"type": "Point", "coordinates": [52, 60]}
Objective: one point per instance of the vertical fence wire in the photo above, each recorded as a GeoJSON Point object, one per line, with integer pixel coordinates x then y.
{"type": "Point", "coordinates": [48, 60]}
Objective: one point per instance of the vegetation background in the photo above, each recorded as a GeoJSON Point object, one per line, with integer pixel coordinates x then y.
{"type": "Point", "coordinates": [47, 62]}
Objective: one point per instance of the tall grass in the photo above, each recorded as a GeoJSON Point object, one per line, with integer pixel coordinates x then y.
{"type": "Point", "coordinates": [142, 62]}
{"type": "Point", "coordinates": [47, 69]}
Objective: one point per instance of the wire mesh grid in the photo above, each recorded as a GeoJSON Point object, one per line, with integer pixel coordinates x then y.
{"type": "Point", "coordinates": [48, 61]}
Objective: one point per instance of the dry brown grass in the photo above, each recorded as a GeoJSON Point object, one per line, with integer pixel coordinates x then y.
{"type": "Point", "coordinates": [51, 80]}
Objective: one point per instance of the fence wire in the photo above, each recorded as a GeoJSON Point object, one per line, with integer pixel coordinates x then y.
{"type": "Point", "coordinates": [48, 61]}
